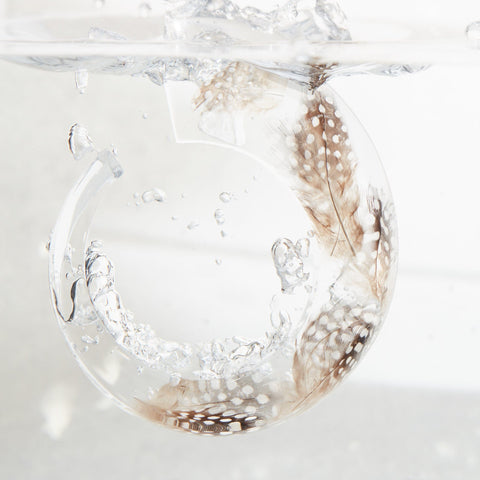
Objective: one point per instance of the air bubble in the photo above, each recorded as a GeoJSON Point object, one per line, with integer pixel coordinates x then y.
{"type": "Point", "coordinates": [155, 194]}
{"type": "Point", "coordinates": [225, 197]}
{"type": "Point", "coordinates": [219, 216]}
{"type": "Point", "coordinates": [81, 80]}
{"type": "Point", "coordinates": [79, 141]}
{"type": "Point", "coordinates": [288, 259]}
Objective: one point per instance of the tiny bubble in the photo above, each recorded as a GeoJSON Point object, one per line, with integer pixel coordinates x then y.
{"type": "Point", "coordinates": [81, 80]}
{"type": "Point", "coordinates": [139, 370]}
{"type": "Point", "coordinates": [136, 197]}
{"type": "Point", "coordinates": [218, 261]}
{"type": "Point", "coordinates": [174, 218]}
{"type": "Point", "coordinates": [155, 194]}
{"type": "Point", "coordinates": [79, 142]}
{"type": "Point", "coordinates": [225, 197]}
{"type": "Point", "coordinates": [219, 216]}
{"type": "Point", "coordinates": [223, 233]}
{"type": "Point", "coordinates": [193, 224]}
{"type": "Point", "coordinates": [145, 116]}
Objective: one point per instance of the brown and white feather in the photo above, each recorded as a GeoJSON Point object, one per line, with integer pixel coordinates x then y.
{"type": "Point", "coordinates": [325, 166]}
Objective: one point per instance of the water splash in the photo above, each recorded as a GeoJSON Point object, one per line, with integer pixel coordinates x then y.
{"type": "Point", "coordinates": [220, 23]}
{"type": "Point", "coordinates": [217, 357]}
{"type": "Point", "coordinates": [293, 20]}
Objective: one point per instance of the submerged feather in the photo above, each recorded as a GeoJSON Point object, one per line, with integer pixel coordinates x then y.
{"type": "Point", "coordinates": [239, 86]}
{"type": "Point", "coordinates": [325, 167]}
{"type": "Point", "coordinates": [383, 248]}
{"type": "Point", "coordinates": [329, 348]}
{"type": "Point", "coordinates": [334, 338]}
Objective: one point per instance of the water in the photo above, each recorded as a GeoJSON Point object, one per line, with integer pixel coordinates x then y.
{"type": "Point", "coordinates": [308, 258]}
{"type": "Point", "coordinates": [422, 363]}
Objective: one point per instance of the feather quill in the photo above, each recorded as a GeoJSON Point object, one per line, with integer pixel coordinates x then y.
{"type": "Point", "coordinates": [325, 167]}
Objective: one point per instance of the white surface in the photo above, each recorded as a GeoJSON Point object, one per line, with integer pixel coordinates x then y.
{"type": "Point", "coordinates": [412, 408]}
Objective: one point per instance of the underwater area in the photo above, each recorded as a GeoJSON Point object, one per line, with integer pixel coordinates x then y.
{"type": "Point", "coordinates": [202, 193]}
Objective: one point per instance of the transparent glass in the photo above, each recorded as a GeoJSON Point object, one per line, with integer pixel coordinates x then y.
{"type": "Point", "coordinates": [172, 261]}
{"type": "Point", "coordinates": [268, 268]}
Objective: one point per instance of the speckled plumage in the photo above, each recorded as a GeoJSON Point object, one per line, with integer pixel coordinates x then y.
{"type": "Point", "coordinates": [333, 338]}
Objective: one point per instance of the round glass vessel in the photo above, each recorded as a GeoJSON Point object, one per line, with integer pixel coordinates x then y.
{"type": "Point", "coordinates": [240, 276]}
{"type": "Point", "coordinates": [235, 275]}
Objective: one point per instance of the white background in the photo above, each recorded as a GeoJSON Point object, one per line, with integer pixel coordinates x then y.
{"type": "Point", "coordinates": [412, 408]}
